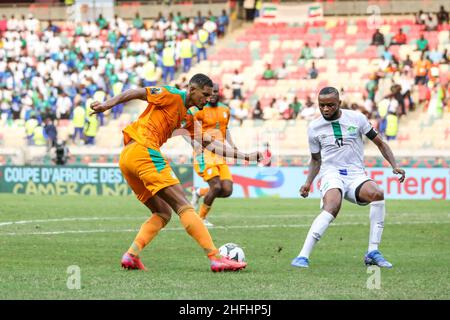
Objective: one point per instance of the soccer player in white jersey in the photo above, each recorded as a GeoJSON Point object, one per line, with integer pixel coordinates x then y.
{"type": "Point", "coordinates": [336, 146]}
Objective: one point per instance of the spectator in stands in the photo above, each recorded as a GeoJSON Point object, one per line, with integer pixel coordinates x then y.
{"type": "Point", "coordinates": [406, 82]}
{"type": "Point", "coordinates": [407, 63]}
{"type": "Point", "coordinates": [202, 37]}
{"type": "Point", "coordinates": [372, 87]}
{"type": "Point", "coordinates": [313, 72]}
{"type": "Point", "coordinates": [30, 125]}
{"type": "Point", "coordinates": [435, 56]}
{"type": "Point", "coordinates": [442, 16]}
{"type": "Point", "coordinates": [386, 54]}
{"type": "Point", "coordinates": [138, 23]}
{"type": "Point", "coordinates": [282, 72]}
{"type": "Point", "coordinates": [422, 43]}
{"type": "Point", "coordinates": [210, 25]}
{"type": "Point", "coordinates": [431, 23]}
{"type": "Point", "coordinates": [421, 17]}
{"type": "Point", "coordinates": [63, 106]}
{"type": "Point", "coordinates": [257, 112]}
{"type": "Point", "coordinates": [283, 108]}
{"type": "Point", "coordinates": [295, 107]}
{"type": "Point", "coordinates": [101, 22]}
{"type": "Point", "coordinates": [309, 112]}
{"type": "Point", "coordinates": [227, 94]}
{"type": "Point", "coordinates": [78, 121]}
{"type": "Point", "coordinates": [223, 21]}
{"type": "Point", "coordinates": [269, 73]}
{"type": "Point", "coordinates": [318, 52]}
{"type": "Point", "coordinates": [39, 138]}
{"type": "Point", "coordinates": [240, 113]}
{"type": "Point", "coordinates": [51, 133]}
{"type": "Point", "coordinates": [399, 38]}
{"type": "Point", "coordinates": [421, 69]}
{"type": "Point", "coordinates": [270, 112]}
{"type": "Point", "coordinates": [186, 53]}
{"type": "Point", "coordinates": [90, 129]}
{"type": "Point", "coordinates": [199, 20]}
{"type": "Point", "coordinates": [391, 126]}
{"type": "Point", "coordinates": [236, 84]}
{"type": "Point", "coordinates": [396, 90]}
{"type": "Point", "coordinates": [3, 25]}
{"type": "Point", "coordinates": [168, 57]}
{"type": "Point", "coordinates": [377, 38]}
{"type": "Point", "coordinates": [436, 104]}
{"type": "Point", "coordinates": [306, 52]}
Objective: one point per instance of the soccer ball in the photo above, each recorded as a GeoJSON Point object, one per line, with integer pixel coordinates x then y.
{"type": "Point", "coordinates": [232, 251]}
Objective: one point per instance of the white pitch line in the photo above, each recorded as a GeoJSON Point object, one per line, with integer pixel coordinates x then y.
{"type": "Point", "coordinates": [263, 226]}
{"type": "Point", "coordinates": [7, 223]}
{"type": "Point", "coordinates": [296, 216]}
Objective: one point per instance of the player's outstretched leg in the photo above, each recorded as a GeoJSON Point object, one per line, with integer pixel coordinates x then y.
{"type": "Point", "coordinates": [149, 230]}
{"type": "Point", "coordinates": [370, 192]}
{"type": "Point", "coordinates": [316, 231]}
{"type": "Point", "coordinates": [331, 206]}
{"type": "Point", "coordinates": [373, 256]}
{"type": "Point", "coordinates": [197, 230]}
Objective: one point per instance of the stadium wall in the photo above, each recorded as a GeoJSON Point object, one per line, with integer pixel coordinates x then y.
{"type": "Point", "coordinates": [284, 182]}
{"type": "Point", "coordinates": [249, 182]}
{"type": "Point", "coordinates": [74, 180]}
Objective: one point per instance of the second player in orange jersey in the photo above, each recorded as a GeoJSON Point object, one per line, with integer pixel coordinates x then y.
{"type": "Point", "coordinates": [214, 118]}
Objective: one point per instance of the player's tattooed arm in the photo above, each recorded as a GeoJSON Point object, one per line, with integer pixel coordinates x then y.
{"type": "Point", "coordinates": [230, 140]}
{"type": "Point", "coordinates": [223, 150]}
{"type": "Point", "coordinates": [387, 153]}
{"type": "Point", "coordinates": [131, 94]}
{"type": "Point", "coordinates": [314, 168]}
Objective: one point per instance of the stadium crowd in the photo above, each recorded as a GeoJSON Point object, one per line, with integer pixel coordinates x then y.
{"type": "Point", "coordinates": [52, 71]}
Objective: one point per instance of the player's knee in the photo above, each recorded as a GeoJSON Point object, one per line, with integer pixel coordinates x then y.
{"type": "Point", "coordinates": [377, 195]}
{"type": "Point", "coordinates": [216, 189]}
{"type": "Point", "coordinates": [227, 191]}
{"type": "Point", "coordinates": [166, 216]}
{"type": "Point", "coordinates": [333, 209]}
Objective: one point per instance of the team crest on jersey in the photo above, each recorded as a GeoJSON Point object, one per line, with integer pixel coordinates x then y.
{"type": "Point", "coordinates": [155, 90]}
{"type": "Point", "coordinates": [352, 131]}
{"type": "Point", "coordinates": [183, 123]}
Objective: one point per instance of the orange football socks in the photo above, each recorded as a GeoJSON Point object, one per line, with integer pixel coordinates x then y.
{"type": "Point", "coordinates": [202, 191]}
{"type": "Point", "coordinates": [148, 231]}
{"type": "Point", "coordinates": [197, 230]}
{"type": "Point", "coordinates": [204, 209]}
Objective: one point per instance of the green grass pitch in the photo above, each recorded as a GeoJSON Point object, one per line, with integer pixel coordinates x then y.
{"type": "Point", "coordinates": [41, 236]}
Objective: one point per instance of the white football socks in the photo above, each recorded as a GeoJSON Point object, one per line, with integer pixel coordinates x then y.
{"type": "Point", "coordinates": [318, 227]}
{"type": "Point", "coordinates": [377, 213]}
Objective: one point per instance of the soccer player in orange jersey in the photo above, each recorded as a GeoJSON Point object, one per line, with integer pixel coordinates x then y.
{"type": "Point", "coordinates": [150, 176]}
{"type": "Point", "coordinates": [214, 118]}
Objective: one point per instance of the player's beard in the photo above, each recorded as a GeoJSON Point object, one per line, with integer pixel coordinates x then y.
{"type": "Point", "coordinates": [334, 116]}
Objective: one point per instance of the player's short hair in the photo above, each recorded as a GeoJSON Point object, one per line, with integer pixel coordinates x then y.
{"type": "Point", "coordinates": [201, 80]}
{"type": "Point", "coordinates": [329, 91]}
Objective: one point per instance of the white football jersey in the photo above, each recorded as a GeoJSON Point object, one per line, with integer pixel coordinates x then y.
{"type": "Point", "coordinates": [340, 142]}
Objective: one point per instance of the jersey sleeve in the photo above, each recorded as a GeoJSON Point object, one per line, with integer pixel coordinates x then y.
{"type": "Point", "coordinates": [364, 124]}
{"type": "Point", "coordinates": [160, 96]}
{"type": "Point", "coordinates": [314, 144]}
